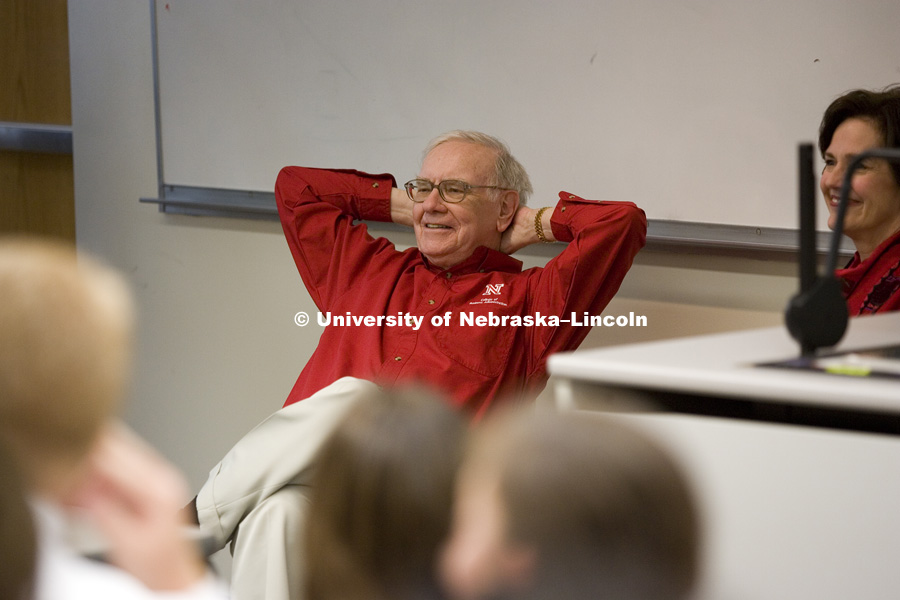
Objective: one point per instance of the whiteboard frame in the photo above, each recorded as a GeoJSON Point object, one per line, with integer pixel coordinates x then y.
{"type": "Point", "coordinates": [662, 235]}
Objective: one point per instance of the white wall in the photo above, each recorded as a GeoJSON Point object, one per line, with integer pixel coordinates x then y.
{"type": "Point", "coordinates": [217, 347]}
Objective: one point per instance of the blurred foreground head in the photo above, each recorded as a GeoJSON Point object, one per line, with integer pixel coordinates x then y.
{"type": "Point", "coordinates": [566, 505]}
{"type": "Point", "coordinates": [381, 499]}
{"type": "Point", "coordinates": [65, 345]}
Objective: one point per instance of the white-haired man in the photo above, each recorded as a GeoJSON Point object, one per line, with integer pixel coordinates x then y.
{"type": "Point", "coordinates": [456, 313]}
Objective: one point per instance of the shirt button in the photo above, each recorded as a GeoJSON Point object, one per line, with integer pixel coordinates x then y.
{"type": "Point", "coordinates": [375, 185]}
{"type": "Point", "coordinates": [563, 209]}
{"type": "Point", "coordinates": [398, 358]}
{"type": "Point", "coordinates": [431, 302]}
{"type": "Point", "coordinates": [449, 275]}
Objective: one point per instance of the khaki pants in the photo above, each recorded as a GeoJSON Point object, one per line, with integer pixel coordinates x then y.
{"type": "Point", "coordinates": [256, 497]}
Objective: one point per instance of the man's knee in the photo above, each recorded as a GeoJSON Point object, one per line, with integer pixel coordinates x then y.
{"type": "Point", "coordinates": [280, 515]}
{"type": "Point", "coordinates": [267, 549]}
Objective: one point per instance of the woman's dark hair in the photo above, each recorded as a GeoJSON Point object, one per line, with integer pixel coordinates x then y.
{"type": "Point", "coordinates": [18, 543]}
{"type": "Point", "coordinates": [881, 108]}
{"type": "Point", "coordinates": [381, 499]}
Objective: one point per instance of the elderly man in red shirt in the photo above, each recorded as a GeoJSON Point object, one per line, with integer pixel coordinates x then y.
{"type": "Point", "coordinates": [456, 313]}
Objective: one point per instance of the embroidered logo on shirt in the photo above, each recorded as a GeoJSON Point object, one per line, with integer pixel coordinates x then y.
{"type": "Point", "coordinates": [491, 289]}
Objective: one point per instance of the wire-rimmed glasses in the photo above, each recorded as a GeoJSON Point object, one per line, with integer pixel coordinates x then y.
{"type": "Point", "coordinates": [450, 190]}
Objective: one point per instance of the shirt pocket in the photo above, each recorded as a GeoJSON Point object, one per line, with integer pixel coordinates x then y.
{"type": "Point", "coordinates": [482, 348]}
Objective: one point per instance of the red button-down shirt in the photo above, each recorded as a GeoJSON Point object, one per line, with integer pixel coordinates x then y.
{"type": "Point", "coordinates": [350, 274]}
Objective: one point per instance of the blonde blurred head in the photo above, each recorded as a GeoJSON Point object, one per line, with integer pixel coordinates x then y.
{"type": "Point", "coordinates": [65, 343]}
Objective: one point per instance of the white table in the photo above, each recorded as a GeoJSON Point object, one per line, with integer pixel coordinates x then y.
{"type": "Point", "coordinates": [798, 485]}
{"type": "Point", "coordinates": [717, 375]}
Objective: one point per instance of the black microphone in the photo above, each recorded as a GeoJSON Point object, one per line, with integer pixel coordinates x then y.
{"type": "Point", "coordinates": [817, 316]}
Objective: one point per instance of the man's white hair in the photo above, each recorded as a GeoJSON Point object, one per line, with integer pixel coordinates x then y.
{"type": "Point", "coordinates": [508, 172]}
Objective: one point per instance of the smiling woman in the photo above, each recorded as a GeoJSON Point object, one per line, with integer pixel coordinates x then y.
{"type": "Point", "coordinates": [857, 121]}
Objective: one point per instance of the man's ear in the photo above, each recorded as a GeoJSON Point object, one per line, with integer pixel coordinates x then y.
{"type": "Point", "coordinates": [509, 204]}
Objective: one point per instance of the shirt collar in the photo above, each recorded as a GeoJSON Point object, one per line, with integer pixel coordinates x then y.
{"type": "Point", "coordinates": [856, 269]}
{"type": "Point", "coordinates": [882, 248]}
{"type": "Point", "coordinates": [482, 260]}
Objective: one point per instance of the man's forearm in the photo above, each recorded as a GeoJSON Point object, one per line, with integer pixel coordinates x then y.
{"type": "Point", "coordinates": [523, 230]}
{"type": "Point", "coordinates": [401, 207]}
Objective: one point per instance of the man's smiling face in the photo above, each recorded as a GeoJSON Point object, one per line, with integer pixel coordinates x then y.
{"type": "Point", "coordinates": [448, 233]}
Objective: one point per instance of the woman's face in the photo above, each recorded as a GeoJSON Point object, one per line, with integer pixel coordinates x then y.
{"type": "Point", "coordinates": [873, 211]}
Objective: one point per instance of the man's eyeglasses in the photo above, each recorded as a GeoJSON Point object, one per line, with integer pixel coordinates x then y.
{"type": "Point", "coordinates": [450, 190]}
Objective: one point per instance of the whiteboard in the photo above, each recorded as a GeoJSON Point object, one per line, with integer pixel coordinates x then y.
{"type": "Point", "coordinates": [692, 109]}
